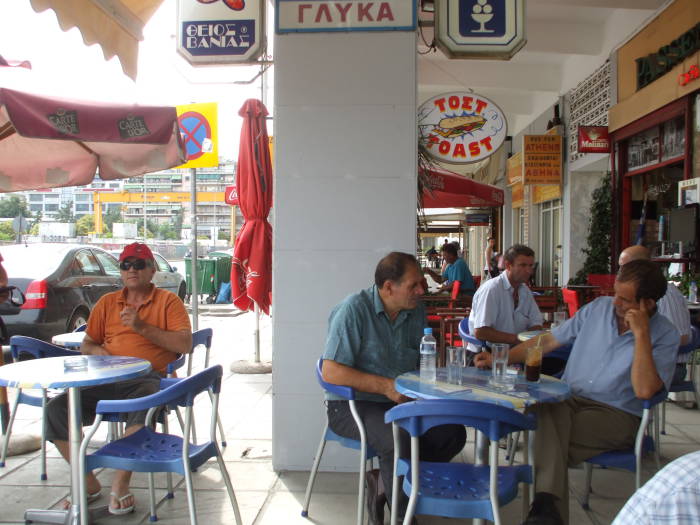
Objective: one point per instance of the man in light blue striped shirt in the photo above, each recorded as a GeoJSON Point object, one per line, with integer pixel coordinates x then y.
{"type": "Point", "coordinates": [672, 496]}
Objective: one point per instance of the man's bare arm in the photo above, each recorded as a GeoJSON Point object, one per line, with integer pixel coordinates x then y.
{"type": "Point", "coordinates": [645, 378]}
{"type": "Point", "coordinates": [488, 333]}
{"type": "Point", "coordinates": [90, 347]}
{"type": "Point", "coordinates": [338, 374]}
{"type": "Point", "coordinates": [176, 341]}
{"type": "Point", "coordinates": [518, 353]}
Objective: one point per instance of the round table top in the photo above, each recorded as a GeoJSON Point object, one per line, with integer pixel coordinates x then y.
{"type": "Point", "coordinates": [50, 372]}
{"type": "Point", "coordinates": [476, 387]}
{"type": "Point", "coordinates": [69, 340]}
{"type": "Point", "coordinates": [693, 306]}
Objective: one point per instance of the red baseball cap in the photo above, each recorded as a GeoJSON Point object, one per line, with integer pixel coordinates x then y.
{"type": "Point", "coordinates": [136, 249]}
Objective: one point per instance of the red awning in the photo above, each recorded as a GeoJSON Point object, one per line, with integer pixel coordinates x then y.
{"type": "Point", "coordinates": [450, 190]}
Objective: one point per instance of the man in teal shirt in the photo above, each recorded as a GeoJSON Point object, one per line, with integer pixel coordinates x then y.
{"type": "Point", "coordinates": [456, 270]}
{"type": "Point", "coordinates": [373, 337]}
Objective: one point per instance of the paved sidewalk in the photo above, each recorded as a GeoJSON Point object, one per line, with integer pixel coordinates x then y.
{"type": "Point", "coordinates": [274, 498]}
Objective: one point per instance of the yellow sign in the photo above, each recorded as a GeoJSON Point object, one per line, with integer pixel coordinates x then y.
{"type": "Point", "coordinates": [542, 159]}
{"type": "Point", "coordinates": [545, 193]}
{"type": "Point", "coordinates": [199, 129]}
{"type": "Point", "coordinates": [517, 196]}
{"type": "Point", "coordinates": [515, 169]}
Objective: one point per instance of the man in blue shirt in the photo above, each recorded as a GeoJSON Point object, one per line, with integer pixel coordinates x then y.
{"type": "Point", "coordinates": [623, 351]}
{"type": "Point", "coordinates": [373, 337]}
{"type": "Point", "coordinates": [456, 270]}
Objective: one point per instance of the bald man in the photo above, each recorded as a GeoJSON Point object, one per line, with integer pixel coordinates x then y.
{"type": "Point", "coordinates": [672, 305]}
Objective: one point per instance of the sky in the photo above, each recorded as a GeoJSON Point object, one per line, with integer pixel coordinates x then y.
{"type": "Point", "coordinates": [66, 67]}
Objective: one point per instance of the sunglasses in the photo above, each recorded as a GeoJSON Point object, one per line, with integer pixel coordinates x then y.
{"type": "Point", "coordinates": [138, 264]}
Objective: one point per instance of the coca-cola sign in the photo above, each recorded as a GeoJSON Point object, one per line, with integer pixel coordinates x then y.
{"type": "Point", "coordinates": [593, 139]}
{"type": "Point", "coordinates": [231, 195]}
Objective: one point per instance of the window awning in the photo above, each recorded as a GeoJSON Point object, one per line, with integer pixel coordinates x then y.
{"type": "Point", "coordinates": [450, 190]}
{"type": "Point", "coordinates": [116, 25]}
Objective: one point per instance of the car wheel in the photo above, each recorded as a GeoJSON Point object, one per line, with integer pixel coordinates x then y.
{"type": "Point", "coordinates": [79, 319]}
{"type": "Point", "coordinates": [182, 291]}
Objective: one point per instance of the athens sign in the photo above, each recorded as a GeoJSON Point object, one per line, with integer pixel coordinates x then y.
{"type": "Point", "coordinates": [461, 128]}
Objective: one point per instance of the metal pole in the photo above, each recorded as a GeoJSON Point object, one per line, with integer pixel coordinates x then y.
{"type": "Point", "coordinates": [144, 207]}
{"type": "Point", "coordinates": [194, 297]}
{"type": "Point", "coordinates": [256, 333]}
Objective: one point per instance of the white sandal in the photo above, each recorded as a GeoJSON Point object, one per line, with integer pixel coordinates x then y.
{"type": "Point", "coordinates": [121, 510]}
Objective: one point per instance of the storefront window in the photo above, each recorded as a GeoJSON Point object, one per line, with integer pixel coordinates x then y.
{"type": "Point", "coordinates": [674, 138]}
{"type": "Point", "coordinates": [643, 149]}
{"type": "Point", "coordinates": [518, 225]}
{"type": "Point", "coordinates": [550, 242]}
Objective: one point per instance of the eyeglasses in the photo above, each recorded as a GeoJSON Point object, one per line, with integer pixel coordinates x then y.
{"type": "Point", "coordinates": [138, 264]}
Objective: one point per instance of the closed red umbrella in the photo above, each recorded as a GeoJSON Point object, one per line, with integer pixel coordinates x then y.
{"type": "Point", "coordinates": [251, 269]}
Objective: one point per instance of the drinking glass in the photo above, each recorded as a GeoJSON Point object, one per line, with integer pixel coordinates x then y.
{"type": "Point", "coordinates": [455, 363]}
{"type": "Point", "coordinates": [533, 364]}
{"type": "Point", "coordinates": [499, 354]}
{"type": "Point", "coordinates": [559, 318]}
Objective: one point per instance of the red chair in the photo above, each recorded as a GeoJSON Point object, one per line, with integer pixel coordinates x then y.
{"type": "Point", "coordinates": [572, 300]}
{"type": "Point", "coordinates": [477, 281]}
{"type": "Point", "coordinates": [451, 304]}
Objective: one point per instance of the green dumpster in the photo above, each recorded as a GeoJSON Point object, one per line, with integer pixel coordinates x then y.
{"type": "Point", "coordinates": [223, 268]}
{"type": "Point", "coordinates": [206, 275]}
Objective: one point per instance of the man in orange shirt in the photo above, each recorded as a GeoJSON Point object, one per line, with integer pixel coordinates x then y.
{"type": "Point", "coordinates": [138, 321]}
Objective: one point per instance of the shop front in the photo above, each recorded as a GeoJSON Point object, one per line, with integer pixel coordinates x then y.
{"type": "Point", "coordinates": [655, 134]}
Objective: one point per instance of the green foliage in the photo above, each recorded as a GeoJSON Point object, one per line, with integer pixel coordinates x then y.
{"type": "Point", "coordinates": [224, 236]}
{"type": "Point", "coordinates": [110, 218]}
{"type": "Point", "coordinates": [85, 225]}
{"type": "Point", "coordinates": [683, 281]}
{"type": "Point", "coordinates": [13, 206]}
{"type": "Point", "coordinates": [597, 251]}
{"type": "Point", "coordinates": [6, 232]}
{"type": "Point", "coordinates": [65, 214]}
{"type": "Point", "coordinates": [167, 231]}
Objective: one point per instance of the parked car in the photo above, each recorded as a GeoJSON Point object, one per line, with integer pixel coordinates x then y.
{"type": "Point", "coordinates": [61, 283]}
{"type": "Point", "coordinates": [166, 277]}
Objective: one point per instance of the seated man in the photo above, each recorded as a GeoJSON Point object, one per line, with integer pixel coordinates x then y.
{"type": "Point", "coordinates": [623, 351]}
{"type": "Point", "coordinates": [672, 305]}
{"type": "Point", "coordinates": [373, 337]}
{"type": "Point", "coordinates": [138, 321]}
{"type": "Point", "coordinates": [504, 306]}
{"type": "Point", "coordinates": [456, 270]}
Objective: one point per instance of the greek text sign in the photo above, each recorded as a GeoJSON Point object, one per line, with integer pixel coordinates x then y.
{"type": "Point", "coordinates": [461, 128]}
{"type": "Point", "coordinates": [344, 15]}
{"type": "Point", "coordinates": [480, 28]}
{"type": "Point", "coordinates": [542, 159]}
{"type": "Point", "coordinates": [221, 31]}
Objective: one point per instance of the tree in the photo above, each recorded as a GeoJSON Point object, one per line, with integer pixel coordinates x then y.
{"type": "Point", "coordinates": [13, 206]}
{"type": "Point", "coordinates": [177, 223]}
{"type": "Point", "coordinates": [65, 213]}
{"type": "Point", "coordinates": [6, 232]}
{"type": "Point", "coordinates": [597, 251]}
{"type": "Point", "coordinates": [112, 216]}
{"type": "Point", "coordinates": [85, 225]}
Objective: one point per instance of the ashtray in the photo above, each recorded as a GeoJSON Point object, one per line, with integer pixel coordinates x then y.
{"type": "Point", "coordinates": [75, 364]}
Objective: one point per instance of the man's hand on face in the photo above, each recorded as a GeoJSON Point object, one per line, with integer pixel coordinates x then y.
{"type": "Point", "coordinates": [637, 319]}
{"type": "Point", "coordinates": [482, 360]}
{"type": "Point", "coordinates": [130, 317]}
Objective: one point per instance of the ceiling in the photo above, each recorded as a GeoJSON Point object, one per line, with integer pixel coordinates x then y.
{"type": "Point", "coordinates": [566, 41]}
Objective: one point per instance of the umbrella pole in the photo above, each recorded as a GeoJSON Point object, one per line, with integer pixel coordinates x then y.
{"type": "Point", "coordinates": [256, 333]}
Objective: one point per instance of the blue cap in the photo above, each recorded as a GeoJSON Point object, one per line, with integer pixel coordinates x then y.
{"type": "Point", "coordinates": [427, 331]}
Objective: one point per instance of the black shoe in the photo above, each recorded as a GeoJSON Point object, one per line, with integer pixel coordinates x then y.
{"type": "Point", "coordinates": [543, 511]}
{"type": "Point", "coordinates": [375, 500]}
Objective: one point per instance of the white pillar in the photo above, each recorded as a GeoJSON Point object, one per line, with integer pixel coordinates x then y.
{"type": "Point", "coordinates": [345, 195]}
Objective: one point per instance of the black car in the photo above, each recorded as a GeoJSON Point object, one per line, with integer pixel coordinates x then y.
{"type": "Point", "coordinates": [61, 283]}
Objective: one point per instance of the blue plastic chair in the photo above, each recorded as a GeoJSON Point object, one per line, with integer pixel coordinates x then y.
{"type": "Point", "coordinates": [456, 490]}
{"type": "Point", "coordinates": [149, 451]}
{"type": "Point", "coordinates": [467, 337]}
{"type": "Point", "coordinates": [20, 344]}
{"type": "Point", "coordinates": [689, 385]}
{"type": "Point", "coordinates": [366, 452]}
{"type": "Point", "coordinates": [630, 458]}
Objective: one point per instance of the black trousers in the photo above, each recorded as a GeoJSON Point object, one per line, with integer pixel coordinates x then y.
{"type": "Point", "coordinates": [439, 444]}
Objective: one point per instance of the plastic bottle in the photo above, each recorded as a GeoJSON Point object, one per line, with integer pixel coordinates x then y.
{"type": "Point", "coordinates": [428, 356]}
{"type": "Point", "coordinates": [693, 292]}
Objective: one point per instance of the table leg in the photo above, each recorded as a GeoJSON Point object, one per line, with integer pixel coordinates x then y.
{"type": "Point", "coordinates": [480, 458]}
{"type": "Point", "coordinates": [71, 516]}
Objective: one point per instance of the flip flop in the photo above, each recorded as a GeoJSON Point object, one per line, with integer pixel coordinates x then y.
{"type": "Point", "coordinates": [91, 498]}
{"type": "Point", "coordinates": [121, 510]}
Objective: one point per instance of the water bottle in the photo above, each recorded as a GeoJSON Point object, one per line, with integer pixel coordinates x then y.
{"type": "Point", "coordinates": [428, 356]}
{"type": "Point", "coordinates": [692, 295]}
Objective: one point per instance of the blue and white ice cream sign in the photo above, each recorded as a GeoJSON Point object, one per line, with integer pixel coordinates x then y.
{"type": "Point", "coordinates": [220, 31]}
{"type": "Point", "coordinates": [480, 28]}
{"type": "Point", "coordinates": [461, 128]}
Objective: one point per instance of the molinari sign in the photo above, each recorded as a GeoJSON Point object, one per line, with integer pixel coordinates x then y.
{"type": "Point", "coordinates": [593, 139]}
{"type": "Point", "coordinates": [295, 16]}
{"type": "Point", "coordinates": [221, 31]}
{"type": "Point", "coordinates": [461, 128]}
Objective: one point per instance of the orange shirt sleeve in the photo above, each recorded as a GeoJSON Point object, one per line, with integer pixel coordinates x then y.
{"type": "Point", "coordinates": [97, 321]}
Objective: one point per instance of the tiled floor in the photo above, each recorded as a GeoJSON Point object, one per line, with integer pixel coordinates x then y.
{"type": "Point", "coordinates": [275, 498]}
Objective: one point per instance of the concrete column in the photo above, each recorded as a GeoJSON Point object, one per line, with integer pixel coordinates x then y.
{"type": "Point", "coordinates": [345, 195]}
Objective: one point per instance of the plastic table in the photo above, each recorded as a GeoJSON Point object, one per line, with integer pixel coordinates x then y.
{"type": "Point", "coordinates": [69, 340]}
{"type": "Point", "coordinates": [51, 373]}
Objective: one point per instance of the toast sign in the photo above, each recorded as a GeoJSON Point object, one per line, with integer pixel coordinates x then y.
{"type": "Point", "coordinates": [461, 128]}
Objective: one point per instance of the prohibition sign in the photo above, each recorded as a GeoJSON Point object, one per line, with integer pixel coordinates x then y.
{"type": "Point", "coordinates": [195, 129]}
